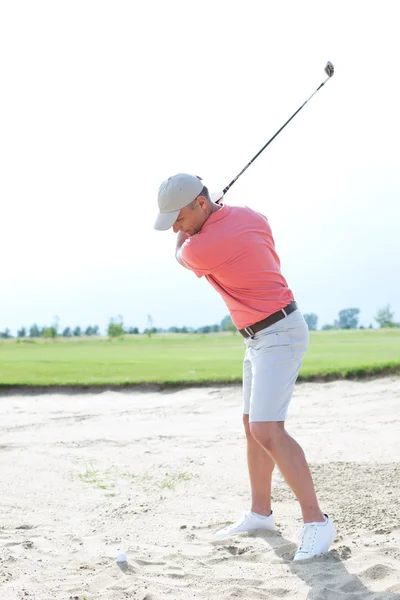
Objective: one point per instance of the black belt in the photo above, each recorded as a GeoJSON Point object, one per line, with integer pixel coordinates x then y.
{"type": "Point", "coordinates": [274, 318]}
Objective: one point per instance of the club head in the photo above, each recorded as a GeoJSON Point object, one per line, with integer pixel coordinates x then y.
{"type": "Point", "coordinates": [329, 69]}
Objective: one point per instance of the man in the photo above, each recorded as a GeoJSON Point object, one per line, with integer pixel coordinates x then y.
{"type": "Point", "coordinates": [234, 249]}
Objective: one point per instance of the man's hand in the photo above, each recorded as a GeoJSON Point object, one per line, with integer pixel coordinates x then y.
{"type": "Point", "coordinates": [181, 238]}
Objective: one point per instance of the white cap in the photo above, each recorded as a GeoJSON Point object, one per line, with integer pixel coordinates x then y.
{"type": "Point", "coordinates": [175, 193]}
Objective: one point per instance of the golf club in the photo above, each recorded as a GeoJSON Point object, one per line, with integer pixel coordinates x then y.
{"type": "Point", "coordinates": [329, 70]}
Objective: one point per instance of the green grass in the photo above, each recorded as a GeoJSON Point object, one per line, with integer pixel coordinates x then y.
{"type": "Point", "coordinates": [172, 359]}
{"type": "Point", "coordinates": [93, 477]}
{"type": "Point", "coordinates": [171, 481]}
{"type": "Point", "coordinates": [109, 479]}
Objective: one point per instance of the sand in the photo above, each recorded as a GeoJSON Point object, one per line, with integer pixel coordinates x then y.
{"type": "Point", "coordinates": [86, 476]}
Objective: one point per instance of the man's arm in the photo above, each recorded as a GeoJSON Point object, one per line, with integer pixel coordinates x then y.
{"type": "Point", "coordinates": [181, 237]}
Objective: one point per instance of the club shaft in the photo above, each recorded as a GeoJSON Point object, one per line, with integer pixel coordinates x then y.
{"type": "Point", "coordinates": [273, 137]}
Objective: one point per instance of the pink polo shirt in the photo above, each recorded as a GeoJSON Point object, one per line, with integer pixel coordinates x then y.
{"type": "Point", "coordinates": [235, 251]}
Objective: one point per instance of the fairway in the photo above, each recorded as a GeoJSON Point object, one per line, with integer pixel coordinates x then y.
{"type": "Point", "coordinates": [184, 358]}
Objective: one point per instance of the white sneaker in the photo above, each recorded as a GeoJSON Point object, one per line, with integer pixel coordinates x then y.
{"type": "Point", "coordinates": [315, 538]}
{"type": "Point", "coordinates": [249, 522]}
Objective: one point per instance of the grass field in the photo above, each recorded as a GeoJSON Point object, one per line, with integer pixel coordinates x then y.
{"type": "Point", "coordinates": [184, 358]}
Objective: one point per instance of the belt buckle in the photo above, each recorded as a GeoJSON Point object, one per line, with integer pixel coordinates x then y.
{"type": "Point", "coordinates": [250, 332]}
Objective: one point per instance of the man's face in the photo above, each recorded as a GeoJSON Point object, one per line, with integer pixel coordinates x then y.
{"type": "Point", "coordinates": [192, 218]}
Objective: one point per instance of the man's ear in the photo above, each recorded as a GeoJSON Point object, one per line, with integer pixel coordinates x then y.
{"type": "Point", "coordinates": [202, 201]}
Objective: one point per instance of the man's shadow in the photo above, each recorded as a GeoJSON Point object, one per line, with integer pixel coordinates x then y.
{"type": "Point", "coordinates": [325, 575]}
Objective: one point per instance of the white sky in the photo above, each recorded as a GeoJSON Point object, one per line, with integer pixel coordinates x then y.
{"type": "Point", "coordinates": [101, 101]}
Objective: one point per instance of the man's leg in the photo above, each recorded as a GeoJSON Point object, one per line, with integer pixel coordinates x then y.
{"type": "Point", "coordinates": [260, 465]}
{"type": "Point", "coordinates": [289, 456]}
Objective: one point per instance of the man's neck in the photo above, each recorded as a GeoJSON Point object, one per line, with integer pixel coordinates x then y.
{"type": "Point", "coordinates": [215, 207]}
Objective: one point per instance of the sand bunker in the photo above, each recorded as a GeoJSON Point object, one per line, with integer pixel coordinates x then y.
{"type": "Point", "coordinates": [83, 477]}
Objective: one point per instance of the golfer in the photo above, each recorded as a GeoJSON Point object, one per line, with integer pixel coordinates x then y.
{"type": "Point", "coordinates": [233, 248]}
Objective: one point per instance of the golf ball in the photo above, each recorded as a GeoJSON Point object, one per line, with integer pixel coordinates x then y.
{"type": "Point", "coordinates": [121, 557]}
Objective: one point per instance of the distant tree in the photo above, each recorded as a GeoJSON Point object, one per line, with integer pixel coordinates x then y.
{"type": "Point", "coordinates": [56, 324]}
{"type": "Point", "coordinates": [133, 330]}
{"type": "Point", "coordinates": [21, 333]}
{"type": "Point", "coordinates": [327, 327]}
{"type": "Point", "coordinates": [52, 331]}
{"type": "Point", "coordinates": [348, 318]}
{"type": "Point", "coordinates": [149, 332]}
{"type": "Point", "coordinates": [67, 332]}
{"type": "Point", "coordinates": [34, 331]}
{"type": "Point", "coordinates": [77, 332]}
{"type": "Point", "coordinates": [92, 330]}
{"type": "Point", "coordinates": [5, 334]}
{"type": "Point", "coordinates": [385, 317]}
{"type": "Point", "coordinates": [205, 329]}
{"type": "Point", "coordinates": [215, 328]}
{"type": "Point", "coordinates": [227, 324]}
{"type": "Point", "coordinates": [311, 319]}
{"type": "Point", "coordinates": [49, 332]}
{"type": "Point", "coordinates": [115, 327]}
{"type": "Point", "coordinates": [150, 326]}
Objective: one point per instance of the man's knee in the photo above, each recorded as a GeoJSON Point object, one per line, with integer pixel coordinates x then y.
{"type": "Point", "coordinates": [266, 433]}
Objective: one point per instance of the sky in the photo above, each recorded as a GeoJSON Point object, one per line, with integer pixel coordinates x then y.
{"type": "Point", "coordinates": [102, 101]}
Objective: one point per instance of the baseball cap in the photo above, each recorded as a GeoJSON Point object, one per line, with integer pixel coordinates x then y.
{"type": "Point", "coordinates": [175, 193]}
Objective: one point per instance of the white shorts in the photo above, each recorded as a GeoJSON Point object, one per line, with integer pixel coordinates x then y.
{"type": "Point", "coordinates": [270, 368]}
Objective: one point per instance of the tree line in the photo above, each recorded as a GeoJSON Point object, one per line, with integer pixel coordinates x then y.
{"type": "Point", "coordinates": [348, 318]}
{"type": "Point", "coordinates": [115, 328]}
